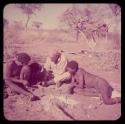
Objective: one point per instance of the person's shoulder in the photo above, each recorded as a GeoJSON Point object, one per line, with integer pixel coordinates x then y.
{"type": "Point", "coordinates": [80, 71]}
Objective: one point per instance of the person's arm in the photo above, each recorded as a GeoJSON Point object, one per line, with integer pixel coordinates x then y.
{"type": "Point", "coordinates": [47, 65]}
{"type": "Point", "coordinates": [62, 65]}
{"type": "Point", "coordinates": [80, 82]}
{"type": "Point", "coordinates": [72, 79]}
{"type": "Point", "coordinates": [25, 73]}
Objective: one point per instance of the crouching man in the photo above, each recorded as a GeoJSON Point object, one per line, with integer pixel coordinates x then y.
{"type": "Point", "coordinates": [82, 79]}
{"type": "Point", "coordinates": [17, 74]}
{"type": "Point", "coordinates": [56, 68]}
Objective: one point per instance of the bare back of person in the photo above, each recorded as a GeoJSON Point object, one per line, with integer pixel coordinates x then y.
{"type": "Point", "coordinates": [88, 80]}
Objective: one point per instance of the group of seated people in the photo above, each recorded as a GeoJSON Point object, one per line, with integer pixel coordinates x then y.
{"type": "Point", "coordinates": [22, 73]}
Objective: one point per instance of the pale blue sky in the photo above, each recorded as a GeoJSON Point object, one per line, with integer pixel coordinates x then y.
{"type": "Point", "coordinates": [48, 15]}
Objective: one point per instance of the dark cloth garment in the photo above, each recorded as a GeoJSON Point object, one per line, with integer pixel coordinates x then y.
{"type": "Point", "coordinates": [15, 69]}
{"type": "Point", "coordinates": [35, 78]}
{"type": "Point", "coordinates": [35, 67]}
{"type": "Point", "coordinates": [36, 74]}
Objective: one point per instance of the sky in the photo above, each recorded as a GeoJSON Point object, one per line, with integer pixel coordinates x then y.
{"type": "Point", "coordinates": [48, 15]}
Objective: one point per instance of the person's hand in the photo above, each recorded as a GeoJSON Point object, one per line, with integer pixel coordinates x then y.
{"type": "Point", "coordinates": [58, 84]}
{"type": "Point", "coordinates": [25, 82]}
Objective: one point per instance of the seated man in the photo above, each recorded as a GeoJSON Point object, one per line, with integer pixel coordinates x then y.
{"type": "Point", "coordinates": [56, 68]}
{"type": "Point", "coordinates": [84, 79]}
{"type": "Point", "coordinates": [15, 76]}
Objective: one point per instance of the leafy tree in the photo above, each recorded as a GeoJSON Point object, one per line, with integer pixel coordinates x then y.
{"type": "Point", "coordinates": [88, 22]}
{"type": "Point", "coordinates": [71, 17]}
{"type": "Point", "coordinates": [29, 10]}
{"type": "Point", "coordinates": [116, 10]}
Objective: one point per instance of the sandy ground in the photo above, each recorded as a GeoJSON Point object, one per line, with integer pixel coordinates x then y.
{"type": "Point", "coordinates": [103, 61]}
{"type": "Point", "coordinates": [56, 104]}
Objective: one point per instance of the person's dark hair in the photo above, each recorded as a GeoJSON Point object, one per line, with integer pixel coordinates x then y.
{"type": "Point", "coordinates": [72, 65]}
{"type": "Point", "coordinates": [35, 67]}
{"type": "Point", "coordinates": [23, 58]}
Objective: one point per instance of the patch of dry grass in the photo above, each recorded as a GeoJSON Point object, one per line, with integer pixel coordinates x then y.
{"type": "Point", "coordinates": [39, 43]}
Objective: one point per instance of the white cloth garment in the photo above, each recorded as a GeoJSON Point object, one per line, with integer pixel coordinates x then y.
{"type": "Point", "coordinates": [59, 69]}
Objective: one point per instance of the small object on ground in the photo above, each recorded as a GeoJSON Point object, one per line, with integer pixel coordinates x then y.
{"type": "Point", "coordinates": [35, 98]}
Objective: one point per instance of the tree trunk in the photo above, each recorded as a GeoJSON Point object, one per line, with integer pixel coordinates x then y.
{"type": "Point", "coordinates": [77, 35]}
{"type": "Point", "coordinates": [27, 21]}
{"type": "Point", "coordinates": [83, 35]}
